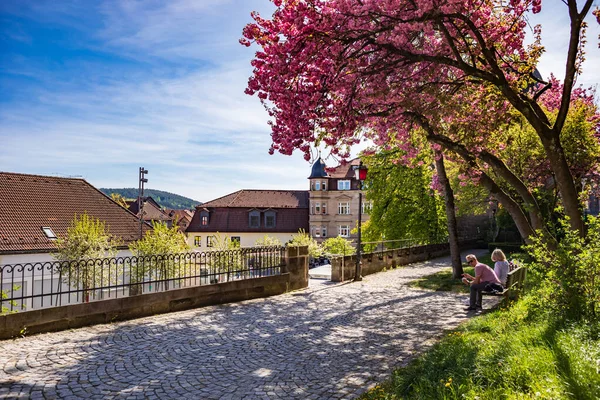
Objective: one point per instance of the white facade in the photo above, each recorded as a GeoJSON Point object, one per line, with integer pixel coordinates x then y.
{"type": "Point", "coordinates": [29, 274]}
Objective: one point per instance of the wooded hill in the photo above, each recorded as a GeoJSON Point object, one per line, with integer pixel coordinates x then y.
{"type": "Point", "coordinates": [165, 199]}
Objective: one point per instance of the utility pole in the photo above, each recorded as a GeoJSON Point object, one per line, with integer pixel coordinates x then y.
{"type": "Point", "coordinates": [142, 180]}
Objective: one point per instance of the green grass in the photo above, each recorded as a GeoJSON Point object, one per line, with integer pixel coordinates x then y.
{"type": "Point", "coordinates": [505, 354]}
{"type": "Point", "coordinates": [443, 281]}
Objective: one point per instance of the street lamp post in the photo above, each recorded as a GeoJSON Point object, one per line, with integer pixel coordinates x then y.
{"type": "Point", "coordinates": [142, 180]}
{"type": "Point", "coordinates": [360, 173]}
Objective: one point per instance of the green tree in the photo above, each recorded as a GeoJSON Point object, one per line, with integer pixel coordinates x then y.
{"type": "Point", "coordinates": [87, 240]}
{"type": "Point", "coordinates": [338, 246]}
{"type": "Point", "coordinates": [304, 239]}
{"type": "Point", "coordinates": [267, 241]}
{"type": "Point", "coordinates": [13, 304]}
{"type": "Point", "coordinates": [160, 248]}
{"type": "Point", "coordinates": [404, 204]}
{"type": "Point", "coordinates": [225, 256]}
{"type": "Point", "coordinates": [119, 199]}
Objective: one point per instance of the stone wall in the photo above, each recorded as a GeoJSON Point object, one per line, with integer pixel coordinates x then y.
{"type": "Point", "coordinates": [294, 276]}
{"type": "Point", "coordinates": [378, 261]}
{"type": "Point", "coordinates": [473, 227]}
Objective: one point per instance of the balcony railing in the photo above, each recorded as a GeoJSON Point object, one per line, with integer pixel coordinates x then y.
{"type": "Point", "coordinates": [32, 286]}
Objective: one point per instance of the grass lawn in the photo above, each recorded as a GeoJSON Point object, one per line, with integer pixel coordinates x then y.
{"type": "Point", "coordinates": [442, 281]}
{"type": "Point", "coordinates": [509, 353]}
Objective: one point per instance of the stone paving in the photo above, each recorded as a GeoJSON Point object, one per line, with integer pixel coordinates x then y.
{"type": "Point", "coordinates": [330, 341]}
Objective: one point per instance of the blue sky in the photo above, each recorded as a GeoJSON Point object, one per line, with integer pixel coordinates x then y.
{"type": "Point", "coordinates": [99, 88]}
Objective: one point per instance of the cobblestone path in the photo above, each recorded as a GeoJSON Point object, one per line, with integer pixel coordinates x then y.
{"type": "Point", "coordinates": [326, 342]}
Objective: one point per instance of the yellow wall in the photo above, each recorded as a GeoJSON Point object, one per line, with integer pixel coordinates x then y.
{"type": "Point", "coordinates": [247, 239]}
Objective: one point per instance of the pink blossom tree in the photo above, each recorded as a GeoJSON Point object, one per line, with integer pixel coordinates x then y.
{"type": "Point", "coordinates": [339, 71]}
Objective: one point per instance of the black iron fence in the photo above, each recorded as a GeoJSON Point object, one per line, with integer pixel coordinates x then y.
{"type": "Point", "coordinates": [382, 245]}
{"type": "Point", "coordinates": [32, 286]}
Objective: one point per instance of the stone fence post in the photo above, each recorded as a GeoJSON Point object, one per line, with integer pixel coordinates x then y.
{"type": "Point", "coordinates": [296, 264]}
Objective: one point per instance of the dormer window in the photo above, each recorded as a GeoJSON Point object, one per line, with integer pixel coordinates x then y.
{"type": "Point", "coordinates": [49, 233]}
{"type": "Point", "coordinates": [270, 220]}
{"type": "Point", "coordinates": [204, 218]}
{"type": "Point", "coordinates": [254, 219]}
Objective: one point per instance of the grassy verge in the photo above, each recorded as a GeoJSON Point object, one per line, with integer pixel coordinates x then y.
{"type": "Point", "coordinates": [442, 281]}
{"type": "Point", "coordinates": [510, 353]}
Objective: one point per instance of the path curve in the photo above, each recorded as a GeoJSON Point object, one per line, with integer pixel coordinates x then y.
{"type": "Point", "coordinates": [329, 341]}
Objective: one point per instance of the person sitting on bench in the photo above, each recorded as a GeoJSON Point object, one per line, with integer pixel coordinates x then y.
{"type": "Point", "coordinates": [484, 276]}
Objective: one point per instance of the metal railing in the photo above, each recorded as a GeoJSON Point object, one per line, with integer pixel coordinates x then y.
{"type": "Point", "coordinates": [382, 245]}
{"type": "Point", "coordinates": [32, 286]}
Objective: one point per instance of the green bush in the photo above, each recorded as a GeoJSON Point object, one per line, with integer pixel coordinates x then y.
{"type": "Point", "coordinates": [304, 239]}
{"type": "Point", "coordinates": [338, 246]}
{"type": "Point", "coordinates": [569, 274]}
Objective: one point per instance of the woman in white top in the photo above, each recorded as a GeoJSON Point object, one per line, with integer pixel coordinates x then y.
{"type": "Point", "coordinates": [501, 266]}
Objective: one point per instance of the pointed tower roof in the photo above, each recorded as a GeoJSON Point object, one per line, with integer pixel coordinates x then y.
{"type": "Point", "coordinates": [318, 170]}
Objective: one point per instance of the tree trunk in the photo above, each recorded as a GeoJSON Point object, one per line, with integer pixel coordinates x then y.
{"type": "Point", "coordinates": [457, 269]}
{"type": "Point", "coordinates": [564, 181]}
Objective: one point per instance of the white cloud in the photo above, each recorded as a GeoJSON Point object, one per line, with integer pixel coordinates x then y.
{"type": "Point", "coordinates": [182, 114]}
{"type": "Point", "coordinates": [199, 135]}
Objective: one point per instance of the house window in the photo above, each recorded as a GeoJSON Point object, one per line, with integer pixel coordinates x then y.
{"type": "Point", "coordinates": [210, 241]}
{"type": "Point", "coordinates": [198, 241]}
{"type": "Point", "coordinates": [344, 230]}
{"type": "Point", "coordinates": [317, 185]}
{"type": "Point", "coordinates": [254, 219]}
{"type": "Point", "coordinates": [236, 240]}
{"type": "Point", "coordinates": [324, 185]}
{"type": "Point", "coordinates": [367, 206]}
{"type": "Point", "coordinates": [270, 219]}
{"type": "Point", "coordinates": [324, 231]}
{"type": "Point", "coordinates": [317, 208]}
{"type": "Point", "coordinates": [317, 231]}
{"type": "Point", "coordinates": [324, 208]}
{"type": "Point", "coordinates": [344, 185]}
{"type": "Point", "coordinates": [49, 232]}
{"type": "Point", "coordinates": [204, 218]}
{"type": "Point", "coordinates": [344, 208]}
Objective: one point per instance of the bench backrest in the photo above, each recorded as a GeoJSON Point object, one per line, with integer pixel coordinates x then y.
{"type": "Point", "coordinates": [516, 277]}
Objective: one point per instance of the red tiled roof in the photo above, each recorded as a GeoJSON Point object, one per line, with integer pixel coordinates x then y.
{"type": "Point", "coordinates": [345, 171]}
{"type": "Point", "coordinates": [180, 215]}
{"type": "Point", "coordinates": [152, 210]}
{"type": "Point", "coordinates": [230, 213]}
{"type": "Point", "coordinates": [30, 202]}
{"type": "Point", "coordinates": [262, 199]}
{"type": "Point", "coordinates": [235, 219]}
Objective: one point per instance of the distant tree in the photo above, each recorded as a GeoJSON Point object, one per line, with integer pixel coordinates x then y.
{"type": "Point", "coordinates": [404, 204]}
{"type": "Point", "coordinates": [338, 246]}
{"type": "Point", "coordinates": [267, 241]}
{"type": "Point", "coordinates": [87, 240]}
{"type": "Point", "coordinates": [161, 247]}
{"type": "Point", "coordinates": [164, 199]}
{"type": "Point", "coordinates": [304, 239]}
{"type": "Point", "coordinates": [223, 258]}
{"type": "Point", "coordinates": [119, 199]}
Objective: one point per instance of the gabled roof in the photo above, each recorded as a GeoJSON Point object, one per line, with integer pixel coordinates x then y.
{"type": "Point", "coordinates": [181, 215]}
{"type": "Point", "coordinates": [152, 210]}
{"type": "Point", "coordinates": [345, 171]}
{"type": "Point", "coordinates": [30, 202]}
{"type": "Point", "coordinates": [261, 199]}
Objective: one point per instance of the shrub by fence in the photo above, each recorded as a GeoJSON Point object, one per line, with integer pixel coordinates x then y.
{"type": "Point", "coordinates": [33, 286]}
